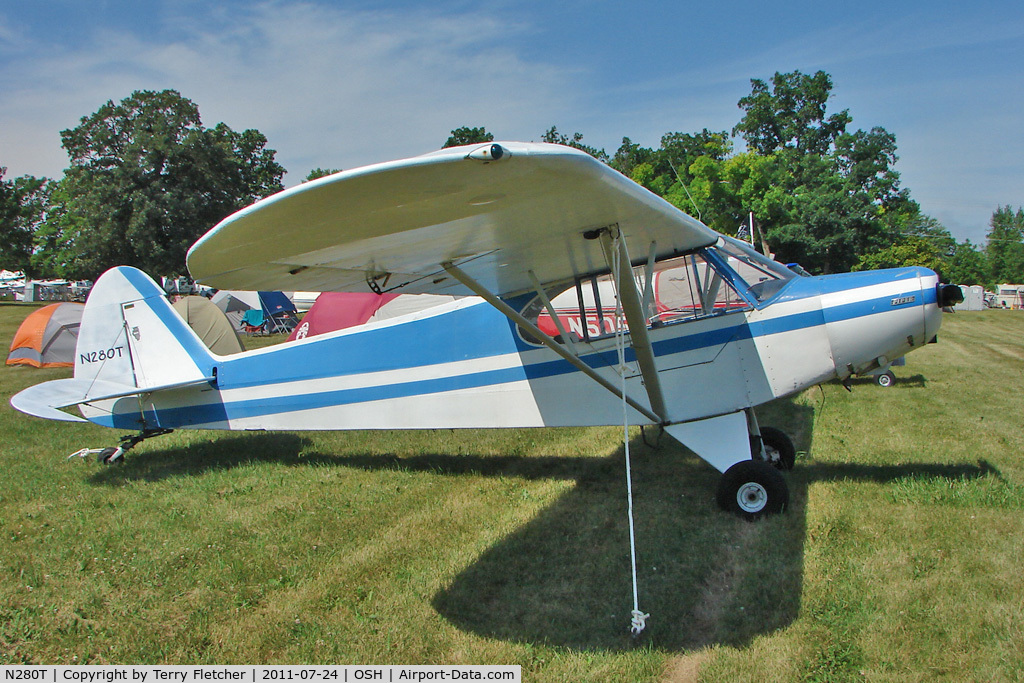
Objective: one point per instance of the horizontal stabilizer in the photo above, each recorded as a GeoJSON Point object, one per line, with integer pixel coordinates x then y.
{"type": "Point", "coordinates": [46, 399]}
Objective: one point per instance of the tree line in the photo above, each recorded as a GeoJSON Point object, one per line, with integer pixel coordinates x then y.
{"type": "Point", "coordinates": [146, 179]}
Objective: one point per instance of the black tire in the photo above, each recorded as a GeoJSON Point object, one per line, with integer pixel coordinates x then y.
{"type": "Point", "coordinates": [103, 456]}
{"type": "Point", "coordinates": [886, 379]}
{"type": "Point", "coordinates": [752, 489]}
{"type": "Point", "coordinates": [779, 448]}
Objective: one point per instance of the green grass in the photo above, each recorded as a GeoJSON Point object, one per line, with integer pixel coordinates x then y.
{"type": "Point", "coordinates": [899, 558]}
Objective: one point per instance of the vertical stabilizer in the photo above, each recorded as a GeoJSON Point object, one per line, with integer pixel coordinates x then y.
{"type": "Point", "coordinates": [131, 335]}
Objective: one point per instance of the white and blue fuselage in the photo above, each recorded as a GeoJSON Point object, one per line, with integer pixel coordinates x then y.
{"type": "Point", "coordinates": [464, 364]}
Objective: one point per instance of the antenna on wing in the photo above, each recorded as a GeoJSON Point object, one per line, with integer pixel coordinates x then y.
{"type": "Point", "coordinates": [687, 191]}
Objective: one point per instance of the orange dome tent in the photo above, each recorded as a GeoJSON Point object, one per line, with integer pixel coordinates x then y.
{"type": "Point", "coordinates": [48, 336]}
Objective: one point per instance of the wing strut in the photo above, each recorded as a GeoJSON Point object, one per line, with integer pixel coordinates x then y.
{"type": "Point", "coordinates": [636, 320]}
{"type": "Point", "coordinates": [515, 317]}
{"type": "Point", "coordinates": [555, 318]}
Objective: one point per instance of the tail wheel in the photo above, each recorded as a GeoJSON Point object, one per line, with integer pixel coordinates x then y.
{"type": "Point", "coordinates": [109, 455]}
{"type": "Point", "coordinates": [779, 448]}
{"type": "Point", "coordinates": [752, 489]}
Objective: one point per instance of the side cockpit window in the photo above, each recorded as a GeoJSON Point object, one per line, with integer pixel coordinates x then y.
{"type": "Point", "coordinates": [679, 289]}
{"type": "Point", "coordinates": [689, 287]}
{"type": "Point", "coordinates": [584, 310]}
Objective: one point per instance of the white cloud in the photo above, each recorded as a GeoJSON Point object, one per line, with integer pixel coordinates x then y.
{"type": "Point", "coordinates": [328, 87]}
{"type": "Point", "coordinates": [944, 87]}
{"type": "Point", "coordinates": [337, 88]}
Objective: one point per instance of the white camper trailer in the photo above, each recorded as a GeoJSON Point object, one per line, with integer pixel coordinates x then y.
{"type": "Point", "coordinates": [1010, 296]}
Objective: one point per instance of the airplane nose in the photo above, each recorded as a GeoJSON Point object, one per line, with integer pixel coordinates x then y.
{"type": "Point", "coordinates": [948, 295]}
{"type": "Point", "coordinates": [874, 317]}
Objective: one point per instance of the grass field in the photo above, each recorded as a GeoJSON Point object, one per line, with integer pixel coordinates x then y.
{"type": "Point", "coordinates": [899, 559]}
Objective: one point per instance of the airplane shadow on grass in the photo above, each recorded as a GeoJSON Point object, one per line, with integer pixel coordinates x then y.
{"type": "Point", "coordinates": [223, 453]}
{"type": "Point", "coordinates": [564, 578]}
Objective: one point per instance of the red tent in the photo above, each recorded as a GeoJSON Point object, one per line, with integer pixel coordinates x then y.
{"type": "Point", "coordinates": [338, 310]}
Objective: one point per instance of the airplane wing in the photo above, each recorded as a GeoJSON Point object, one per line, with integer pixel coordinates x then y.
{"type": "Point", "coordinates": [496, 211]}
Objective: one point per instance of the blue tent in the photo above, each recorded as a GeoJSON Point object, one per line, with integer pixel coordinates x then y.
{"type": "Point", "coordinates": [277, 310]}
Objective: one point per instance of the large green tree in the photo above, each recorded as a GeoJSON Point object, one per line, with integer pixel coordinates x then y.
{"type": "Point", "coordinates": [15, 239]}
{"type": "Point", "coordinates": [966, 265]}
{"type": "Point", "coordinates": [1005, 247]}
{"type": "Point", "coordinates": [824, 196]}
{"type": "Point", "coordinates": [829, 225]}
{"type": "Point", "coordinates": [23, 204]}
{"type": "Point", "coordinates": [146, 180]}
{"type": "Point", "coordinates": [911, 250]}
{"type": "Point", "coordinates": [791, 115]}
{"type": "Point", "coordinates": [726, 191]}
{"type": "Point", "coordinates": [666, 170]}
{"type": "Point", "coordinates": [834, 195]}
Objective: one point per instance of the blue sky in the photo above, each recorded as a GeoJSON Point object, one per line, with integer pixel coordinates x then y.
{"type": "Point", "coordinates": [343, 84]}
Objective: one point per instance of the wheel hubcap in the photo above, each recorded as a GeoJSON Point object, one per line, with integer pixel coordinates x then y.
{"type": "Point", "coordinates": [752, 497]}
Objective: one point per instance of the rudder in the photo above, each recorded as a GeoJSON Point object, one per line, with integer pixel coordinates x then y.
{"type": "Point", "coordinates": [131, 335]}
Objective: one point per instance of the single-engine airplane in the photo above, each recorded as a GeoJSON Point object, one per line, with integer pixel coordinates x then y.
{"type": "Point", "coordinates": [562, 262]}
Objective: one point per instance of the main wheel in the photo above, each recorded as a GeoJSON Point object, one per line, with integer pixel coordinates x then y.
{"type": "Point", "coordinates": [886, 379]}
{"type": "Point", "coordinates": [779, 448]}
{"type": "Point", "coordinates": [752, 489]}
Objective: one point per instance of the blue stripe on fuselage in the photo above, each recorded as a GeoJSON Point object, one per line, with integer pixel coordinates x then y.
{"type": "Point", "coordinates": [430, 341]}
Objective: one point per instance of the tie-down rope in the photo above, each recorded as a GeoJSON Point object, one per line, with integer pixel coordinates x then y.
{"type": "Point", "coordinates": [639, 618]}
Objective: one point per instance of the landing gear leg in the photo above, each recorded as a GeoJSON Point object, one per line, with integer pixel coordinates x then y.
{"type": "Point", "coordinates": [750, 486]}
{"type": "Point", "coordinates": [770, 445]}
{"type": "Point", "coordinates": [115, 454]}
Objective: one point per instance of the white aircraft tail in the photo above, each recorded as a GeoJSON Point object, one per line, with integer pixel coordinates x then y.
{"type": "Point", "coordinates": [131, 341]}
{"type": "Point", "coordinates": [131, 335]}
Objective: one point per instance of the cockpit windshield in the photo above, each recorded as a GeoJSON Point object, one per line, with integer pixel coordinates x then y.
{"type": "Point", "coordinates": [762, 276]}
